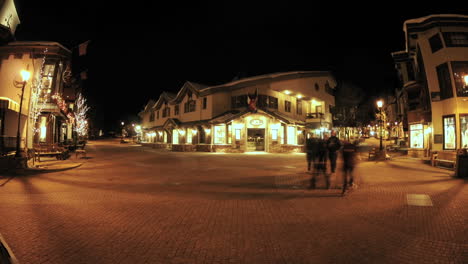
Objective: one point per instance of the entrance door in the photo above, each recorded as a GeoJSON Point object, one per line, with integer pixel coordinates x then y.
{"type": "Point", "coordinates": [255, 139]}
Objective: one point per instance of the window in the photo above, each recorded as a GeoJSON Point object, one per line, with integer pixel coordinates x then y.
{"type": "Point", "coordinates": [151, 118]}
{"type": "Point", "coordinates": [410, 71]}
{"type": "Point", "coordinates": [220, 134]}
{"type": "Point", "coordinates": [229, 129]}
{"type": "Point", "coordinates": [435, 42]}
{"type": "Point", "coordinates": [175, 136]}
{"type": "Point", "coordinates": [190, 106]}
{"type": "Point", "coordinates": [287, 106]}
{"type": "Point", "coordinates": [456, 39]}
{"type": "Point", "coordinates": [274, 134]}
{"type": "Point", "coordinates": [460, 75]}
{"type": "Point", "coordinates": [189, 136]}
{"type": "Point", "coordinates": [204, 102]}
{"type": "Point", "coordinates": [291, 135]}
{"type": "Point", "coordinates": [450, 137]}
{"type": "Point", "coordinates": [299, 106]}
{"type": "Point", "coordinates": [239, 101]}
{"type": "Point", "coordinates": [176, 109]}
{"type": "Point", "coordinates": [272, 102]}
{"type": "Point", "coordinates": [238, 134]}
{"type": "Point", "coordinates": [416, 136]}
{"type": "Point", "coordinates": [166, 112]}
{"type": "Point", "coordinates": [48, 78]}
{"type": "Point", "coordinates": [317, 87]}
{"type": "Point", "coordinates": [464, 130]}
{"type": "Point", "coordinates": [157, 114]}
{"type": "Point", "coordinates": [262, 100]}
{"type": "Point", "coordinates": [445, 83]}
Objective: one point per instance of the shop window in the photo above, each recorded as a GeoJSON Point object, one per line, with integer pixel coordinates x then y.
{"type": "Point", "coordinates": [220, 134]}
{"type": "Point", "coordinates": [416, 136]}
{"type": "Point", "coordinates": [43, 129]}
{"type": "Point", "coordinates": [175, 136]}
{"type": "Point", "coordinates": [464, 130]}
{"type": "Point", "coordinates": [274, 134]}
{"type": "Point", "coordinates": [445, 83]}
{"type": "Point", "coordinates": [450, 138]}
{"type": "Point", "coordinates": [460, 75]}
{"type": "Point", "coordinates": [189, 136]}
{"type": "Point", "coordinates": [229, 137]}
{"type": "Point", "coordinates": [291, 135]}
{"type": "Point", "coordinates": [238, 134]}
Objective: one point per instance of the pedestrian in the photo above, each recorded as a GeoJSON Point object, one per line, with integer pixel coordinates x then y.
{"type": "Point", "coordinates": [333, 145]}
{"type": "Point", "coordinates": [311, 150]}
{"type": "Point", "coordinates": [349, 162]}
{"type": "Point", "coordinates": [320, 164]}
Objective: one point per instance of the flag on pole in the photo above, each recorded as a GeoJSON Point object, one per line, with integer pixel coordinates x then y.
{"type": "Point", "coordinates": [83, 48]}
{"type": "Point", "coordinates": [253, 101]}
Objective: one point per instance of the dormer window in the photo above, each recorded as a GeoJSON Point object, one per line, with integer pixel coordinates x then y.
{"type": "Point", "coordinates": [190, 106]}
{"type": "Point", "coordinates": [166, 112]}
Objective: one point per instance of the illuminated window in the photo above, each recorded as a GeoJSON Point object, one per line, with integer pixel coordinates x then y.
{"type": "Point", "coordinates": [165, 137]}
{"type": "Point", "coordinates": [416, 136]}
{"type": "Point", "coordinates": [449, 132]}
{"type": "Point", "coordinates": [189, 136]}
{"type": "Point", "coordinates": [460, 71]}
{"type": "Point", "coordinates": [175, 136]}
{"type": "Point", "coordinates": [43, 129]}
{"type": "Point", "coordinates": [220, 134]}
{"type": "Point", "coordinates": [274, 134]}
{"type": "Point", "coordinates": [229, 134]}
{"type": "Point", "coordinates": [464, 130]}
{"type": "Point", "coordinates": [238, 134]}
{"type": "Point", "coordinates": [291, 135]}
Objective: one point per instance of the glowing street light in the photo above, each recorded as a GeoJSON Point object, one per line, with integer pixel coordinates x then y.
{"type": "Point", "coordinates": [380, 105]}
{"type": "Point", "coordinates": [25, 76]}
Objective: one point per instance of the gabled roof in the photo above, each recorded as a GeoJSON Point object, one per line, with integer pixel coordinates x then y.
{"type": "Point", "coordinates": [165, 97]}
{"type": "Point", "coordinates": [192, 87]}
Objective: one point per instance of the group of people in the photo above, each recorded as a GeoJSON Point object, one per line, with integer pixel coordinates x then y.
{"type": "Point", "coordinates": [320, 150]}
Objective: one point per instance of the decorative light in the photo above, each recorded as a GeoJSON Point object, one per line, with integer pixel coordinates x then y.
{"type": "Point", "coordinates": [287, 92]}
{"type": "Point", "coordinates": [194, 131]}
{"type": "Point", "coordinates": [25, 75]}
{"type": "Point", "coordinates": [396, 123]}
{"type": "Point", "coordinates": [379, 103]}
{"type": "Point", "coordinates": [122, 123]}
{"type": "Point", "coordinates": [207, 130]}
{"type": "Point", "coordinates": [299, 96]}
{"type": "Point", "coordinates": [465, 78]}
{"type": "Point", "coordinates": [80, 115]}
{"type": "Point", "coordinates": [182, 132]}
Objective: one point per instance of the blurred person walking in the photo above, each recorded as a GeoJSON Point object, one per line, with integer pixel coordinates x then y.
{"type": "Point", "coordinates": [312, 146]}
{"type": "Point", "coordinates": [320, 164]}
{"type": "Point", "coordinates": [333, 145]}
{"type": "Point", "coordinates": [349, 162]}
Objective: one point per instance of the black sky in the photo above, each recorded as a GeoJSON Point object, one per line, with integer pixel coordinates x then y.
{"type": "Point", "coordinates": [136, 52]}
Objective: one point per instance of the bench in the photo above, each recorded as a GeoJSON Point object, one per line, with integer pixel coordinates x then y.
{"type": "Point", "coordinates": [49, 150]}
{"type": "Point", "coordinates": [444, 158]}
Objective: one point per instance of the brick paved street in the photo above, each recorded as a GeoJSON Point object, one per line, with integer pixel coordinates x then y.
{"type": "Point", "coordinates": [133, 204]}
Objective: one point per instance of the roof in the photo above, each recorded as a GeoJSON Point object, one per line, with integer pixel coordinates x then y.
{"type": "Point", "coordinates": [37, 43]}
{"type": "Point", "coordinates": [433, 17]}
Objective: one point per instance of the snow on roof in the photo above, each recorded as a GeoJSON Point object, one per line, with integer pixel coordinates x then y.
{"type": "Point", "coordinates": [37, 43]}
{"type": "Point", "coordinates": [423, 19]}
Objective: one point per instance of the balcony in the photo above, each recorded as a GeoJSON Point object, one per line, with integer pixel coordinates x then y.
{"type": "Point", "coordinates": [318, 118]}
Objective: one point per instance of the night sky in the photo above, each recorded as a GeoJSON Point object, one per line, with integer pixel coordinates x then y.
{"type": "Point", "coordinates": [137, 52]}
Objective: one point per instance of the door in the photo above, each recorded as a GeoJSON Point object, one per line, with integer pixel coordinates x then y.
{"type": "Point", "coordinates": [256, 139]}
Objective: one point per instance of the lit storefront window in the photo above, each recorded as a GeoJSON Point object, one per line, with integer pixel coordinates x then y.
{"type": "Point", "coordinates": [165, 137]}
{"type": "Point", "coordinates": [189, 136]}
{"type": "Point", "coordinates": [229, 129]}
{"type": "Point", "coordinates": [416, 136]}
{"type": "Point", "coordinates": [238, 134]}
{"type": "Point", "coordinates": [175, 136]}
{"type": "Point", "coordinates": [274, 134]}
{"type": "Point", "coordinates": [43, 129]}
{"type": "Point", "coordinates": [291, 135]}
{"type": "Point", "coordinates": [449, 132]}
{"type": "Point", "coordinates": [220, 134]}
{"type": "Point", "coordinates": [464, 131]}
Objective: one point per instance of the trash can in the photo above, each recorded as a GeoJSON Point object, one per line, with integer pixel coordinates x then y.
{"type": "Point", "coordinates": [462, 164]}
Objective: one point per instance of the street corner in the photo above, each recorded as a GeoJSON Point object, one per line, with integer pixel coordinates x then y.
{"type": "Point", "coordinates": [53, 166]}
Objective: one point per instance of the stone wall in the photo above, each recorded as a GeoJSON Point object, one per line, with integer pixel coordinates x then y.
{"type": "Point", "coordinates": [184, 147]}
{"type": "Point", "coordinates": [203, 147]}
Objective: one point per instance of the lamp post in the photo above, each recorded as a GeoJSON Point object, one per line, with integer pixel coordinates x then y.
{"type": "Point", "coordinates": [380, 105]}
{"type": "Point", "coordinates": [25, 76]}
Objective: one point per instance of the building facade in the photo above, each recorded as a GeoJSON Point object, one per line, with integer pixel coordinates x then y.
{"type": "Point", "coordinates": [434, 74]}
{"type": "Point", "coordinates": [272, 113]}
{"type": "Point", "coordinates": [46, 114]}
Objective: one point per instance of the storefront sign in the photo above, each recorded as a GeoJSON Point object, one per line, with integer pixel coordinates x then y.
{"type": "Point", "coordinates": [256, 122]}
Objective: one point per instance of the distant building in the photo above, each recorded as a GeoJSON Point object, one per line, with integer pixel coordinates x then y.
{"type": "Point", "coordinates": [225, 118]}
{"type": "Point", "coordinates": [434, 74]}
{"type": "Point", "coordinates": [9, 20]}
{"type": "Point", "coordinates": [49, 74]}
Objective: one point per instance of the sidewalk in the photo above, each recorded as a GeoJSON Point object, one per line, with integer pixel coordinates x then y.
{"type": "Point", "coordinates": [52, 164]}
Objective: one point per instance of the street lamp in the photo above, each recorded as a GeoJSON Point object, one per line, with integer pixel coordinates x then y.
{"type": "Point", "coordinates": [25, 76]}
{"type": "Point", "coordinates": [380, 105]}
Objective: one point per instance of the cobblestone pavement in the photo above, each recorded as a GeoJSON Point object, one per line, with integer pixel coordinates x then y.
{"type": "Point", "coordinates": [133, 204]}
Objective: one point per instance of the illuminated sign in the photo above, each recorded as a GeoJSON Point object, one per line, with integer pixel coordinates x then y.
{"type": "Point", "coordinates": [256, 122]}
